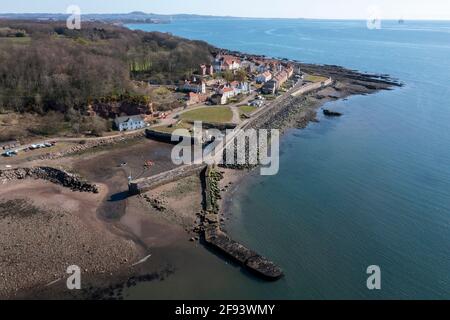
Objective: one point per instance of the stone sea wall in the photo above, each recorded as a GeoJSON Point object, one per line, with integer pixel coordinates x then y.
{"type": "Point", "coordinates": [146, 184]}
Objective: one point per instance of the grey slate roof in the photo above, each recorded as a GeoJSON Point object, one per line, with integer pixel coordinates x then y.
{"type": "Point", "coordinates": [128, 118]}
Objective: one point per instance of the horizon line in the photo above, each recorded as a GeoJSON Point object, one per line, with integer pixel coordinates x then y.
{"type": "Point", "coordinates": [216, 16]}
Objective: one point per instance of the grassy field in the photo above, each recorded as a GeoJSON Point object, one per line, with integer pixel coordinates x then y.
{"type": "Point", "coordinates": [313, 78]}
{"type": "Point", "coordinates": [209, 114]}
{"type": "Point", "coordinates": [247, 109]}
{"type": "Point", "coordinates": [170, 129]}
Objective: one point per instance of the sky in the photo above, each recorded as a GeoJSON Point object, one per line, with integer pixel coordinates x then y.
{"type": "Point", "coordinates": [318, 9]}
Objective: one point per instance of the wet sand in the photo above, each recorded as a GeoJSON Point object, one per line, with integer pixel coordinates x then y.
{"type": "Point", "coordinates": [44, 228]}
{"type": "Point", "coordinates": [105, 234]}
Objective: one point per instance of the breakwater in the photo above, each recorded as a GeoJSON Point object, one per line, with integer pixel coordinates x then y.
{"type": "Point", "coordinates": [164, 136]}
{"type": "Point", "coordinates": [210, 227]}
{"type": "Point", "coordinates": [312, 86]}
{"type": "Point", "coordinates": [220, 241]}
{"type": "Point", "coordinates": [143, 185]}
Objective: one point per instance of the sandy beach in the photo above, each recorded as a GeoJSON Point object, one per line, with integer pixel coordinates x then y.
{"type": "Point", "coordinates": [45, 228]}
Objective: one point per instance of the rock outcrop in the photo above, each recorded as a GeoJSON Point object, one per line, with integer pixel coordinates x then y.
{"type": "Point", "coordinates": [113, 109]}
{"type": "Point", "coordinates": [57, 176]}
{"type": "Point", "coordinates": [330, 113]}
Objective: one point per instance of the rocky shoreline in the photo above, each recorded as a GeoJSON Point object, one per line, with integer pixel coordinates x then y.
{"type": "Point", "coordinates": [57, 176]}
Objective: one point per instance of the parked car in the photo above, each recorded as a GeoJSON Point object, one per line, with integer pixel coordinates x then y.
{"type": "Point", "coordinates": [9, 153]}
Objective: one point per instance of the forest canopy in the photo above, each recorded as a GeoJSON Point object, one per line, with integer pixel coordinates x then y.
{"type": "Point", "coordinates": [44, 66]}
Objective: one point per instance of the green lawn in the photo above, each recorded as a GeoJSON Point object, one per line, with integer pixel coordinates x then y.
{"type": "Point", "coordinates": [247, 109]}
{"type": "Point", "coordinates": [170, 129]}
{"type": "Point", "coordinates": [209, 114]}
{"type": "Point", "coordinates": [313, 78]}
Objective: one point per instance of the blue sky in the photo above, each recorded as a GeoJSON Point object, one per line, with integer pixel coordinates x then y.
{"type": "Point", "coordinates": [327, 9]}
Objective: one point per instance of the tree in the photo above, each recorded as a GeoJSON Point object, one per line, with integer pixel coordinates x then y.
{"type": "Point", "coordinates": [241, 75]}
{"type": "Point", "coordinates": [228, 75]}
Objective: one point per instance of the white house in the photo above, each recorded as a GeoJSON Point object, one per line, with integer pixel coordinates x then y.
{"type": "Point", "coordinates": [264, 77]}
{"type": "Point", "coordinates": [228, 92]}
{"type": "Point", "coordinates": [231, 63]}
{"type": "Point", "coordinates": [196, 87]}
{"type": "Point", "coordinates": [129, 123]}
{"type": "Point", "coordinates": [240, 87]}
{"type": "Point", "coordinates": [223, 63]}
{"type": "Point", "coordinates": [219, 99]}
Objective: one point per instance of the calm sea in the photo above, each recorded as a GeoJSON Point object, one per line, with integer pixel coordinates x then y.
{"type": "Point", "coordinates": [370, 188]}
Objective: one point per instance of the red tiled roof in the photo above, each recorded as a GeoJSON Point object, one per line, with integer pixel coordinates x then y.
{"type": "Point", "coordinates": [230, 60]}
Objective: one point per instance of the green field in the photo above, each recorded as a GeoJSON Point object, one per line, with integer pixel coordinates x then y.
{"type": "Point", "coordinates": [209, 114]}
{"type": "Point", "coordinates": [247, 109]}
{"type": "Point", "coordinates": [170, 129]}
{"type": "Point", "coordinates": [313, 78]}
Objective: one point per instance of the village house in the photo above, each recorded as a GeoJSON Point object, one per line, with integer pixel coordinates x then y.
{"type": "Point", "coordinates": [248, 66]}
{"type": "Point", "coordinates": [231, 63]}
{"type": "Point", "coordinates": [195, 98]}
{"type": "Point", "coordinates": [275, 66]}
{"type": "Point", "coordinates": [226, 92]}
{"type": "Point", "coordinates": [129, 123]}
{"type": "Point", "coordinates": [270, 87]}
{"type": "Point", "coordinates": [281, 77]}
{"type": "Point", "coordinates": [264, 77]}
{"type": "Point", "coordinates": [261, 68]}
{"type": "Point", "coordinates": [194, 86]}
{"type": "Point", "coordinates": [240, 87]}
{"type": "Point", "coordinates": [224, 63]}
{"type": "Point", "coordinates": [290, 71]}
{"type": "Point", "coordinates": [206, 70]}
{"type": "Point", "coordinates": [219, 99]}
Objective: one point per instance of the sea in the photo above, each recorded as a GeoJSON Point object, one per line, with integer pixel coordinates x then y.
{"type": "Point", "coordinates": [371, 188]}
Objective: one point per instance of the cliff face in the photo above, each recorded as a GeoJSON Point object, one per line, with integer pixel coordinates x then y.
{"type": "Point", "coordinates": [113, 109]}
